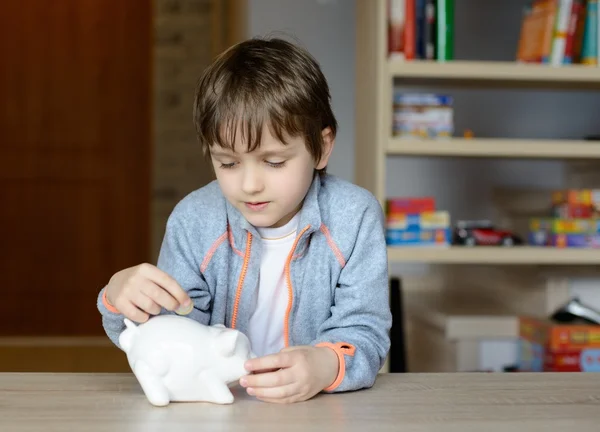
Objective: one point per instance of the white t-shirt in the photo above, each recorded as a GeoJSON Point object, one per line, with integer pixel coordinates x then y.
{"type": "Point", "coordinates": [265, 329]}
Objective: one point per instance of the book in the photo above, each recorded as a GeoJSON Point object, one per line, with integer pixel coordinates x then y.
{"type": "Point", "coordinates": [396, 22]}
{"type": "Point", "coordinates": [561, 28]}
{"type": "Point", "coordinates": [589, 48]}
{"type": "Point", "coordinates": [537, 29]}
{"type": "Point", "coordinates": [410, 42]}
{"type": "Point", "coordinates": [444, 40]}
{"type": "Point", "coordinates": [429, 29]}
{"type": "Point", "coordinates": [420, 28]}
{"type": "Point", "coordinates": [574, 32]}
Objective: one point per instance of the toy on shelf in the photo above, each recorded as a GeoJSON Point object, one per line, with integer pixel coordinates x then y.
{"type": "Point", "coordinates": [483, 233]}
{"type": "Point", "coordinates": [468, 134]}
{"type": "Point", "coordinates": [416, 222]}
{"type": "Point", "coordinates": [177, 359]}
{"type": "Point", "coordinates": [575, 310]}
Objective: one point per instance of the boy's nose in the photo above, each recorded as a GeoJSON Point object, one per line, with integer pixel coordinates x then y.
{"type": "Point", "coordinates": [252, 182]}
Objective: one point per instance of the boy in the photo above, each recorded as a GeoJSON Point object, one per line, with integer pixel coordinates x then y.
{"type": "Point", "coordinates": [275, 247]}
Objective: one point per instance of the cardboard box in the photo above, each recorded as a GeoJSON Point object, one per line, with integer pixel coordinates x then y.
{"type": "Point", "coordinates": [422, 221]}
{"type": "Point", "coordinates": [397, 206]}
{"type": "Point", "coordinates": [576, 203]}
{"type": "Point", "coordinates": [573, 211]}
{"type": "Point", "coordinates": [543, 238]}
{"type": "Point", "coordinates": [424, 229]}
{"type": "Point", "coordinates": [416, 237]}
{"type": "Point", "coordinates": [590, 197]}
{"type": "Point", "coordinates": [550, 347]}
{"type": "Point", "coordinates": [563, 233]}
{"type": "Point", "coordinates": [565, 226]}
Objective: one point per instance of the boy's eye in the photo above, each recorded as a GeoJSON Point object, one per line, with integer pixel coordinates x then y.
{"type": "Point", "coordinates": [275, 164]}
{"type": "Point", "coordinates": [227, 165]}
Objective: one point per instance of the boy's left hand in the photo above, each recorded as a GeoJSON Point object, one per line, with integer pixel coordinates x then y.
{"type": "Point", "coordinates": [294, 374]}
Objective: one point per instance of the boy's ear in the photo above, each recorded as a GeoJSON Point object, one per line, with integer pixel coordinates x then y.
{"type": "Point", "coordinates": [328, 143]}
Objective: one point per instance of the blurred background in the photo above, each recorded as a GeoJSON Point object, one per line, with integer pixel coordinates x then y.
{"type": "Point", "coordinates": [97, 145]}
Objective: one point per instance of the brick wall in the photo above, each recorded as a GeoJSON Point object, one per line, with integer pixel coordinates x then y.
{"type": "Point", "coordinates": [184, 30]}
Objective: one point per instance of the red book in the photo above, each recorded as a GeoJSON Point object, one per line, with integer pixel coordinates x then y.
{"type": "Point", "coordinates": [410, 29]}
{"type": "Point", "coordinates": [576, 15]}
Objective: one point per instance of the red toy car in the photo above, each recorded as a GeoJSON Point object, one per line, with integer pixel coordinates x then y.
{"type": "Point", "coordinates": [483, 233]}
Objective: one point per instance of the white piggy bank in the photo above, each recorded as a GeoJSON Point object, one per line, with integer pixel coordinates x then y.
{"type": "Point", "coordinates": [177, 359]}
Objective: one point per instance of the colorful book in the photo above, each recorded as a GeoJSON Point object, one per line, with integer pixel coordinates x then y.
{"type": "Point", "coordinates": [589, 49]}
{"type": "Point", "coordinates": [429, 29]}
{"type": "Point", "coordinates": [537, 28]}
{"type": "Point", "coordinates": [549, 28]}
{"type": "Point", "coordinates": [420, 28]}
{"type": "Point", "coordinates": [410, 43]}
{"type": "Point", "coordinates": [573, 42]}
{"type": "Point", "coordinates": [396, 22]}
{"type": "Point", "coordinates": [444, 30]}
{"type": "Point", "coordinates": [561, 28]}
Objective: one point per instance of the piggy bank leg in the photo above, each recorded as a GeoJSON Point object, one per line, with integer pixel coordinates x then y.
{"type": "Point", "coordinates": [151, 383]}
{"type": "Point", "coordinates": [215, 391]}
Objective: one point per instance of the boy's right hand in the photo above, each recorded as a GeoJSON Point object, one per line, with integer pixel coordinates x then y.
{"type": "Point", "coordinates": [140, 291]}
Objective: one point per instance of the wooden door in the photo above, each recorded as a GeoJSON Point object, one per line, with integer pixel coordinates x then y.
{"type": "Point", "coordinates": [75, 153]}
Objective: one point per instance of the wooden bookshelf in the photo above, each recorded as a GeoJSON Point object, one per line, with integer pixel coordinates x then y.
{"type": "Point", "coordinates": [508, 72]}
{"type": "Point", "coordinates": [525, 269]}
{"type": "Point", "coordinates": [517, 255]}
{"type": "Point", "coordinates": [375, 76]}
{"type": "Point", "coordinates": [496, 148]}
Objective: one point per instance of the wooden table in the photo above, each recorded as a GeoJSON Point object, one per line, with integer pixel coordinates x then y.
{"type": "Point", "coordinates": [483, 402]}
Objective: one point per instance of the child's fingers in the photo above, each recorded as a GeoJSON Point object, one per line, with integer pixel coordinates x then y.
{"type": "Point", "coordinates": [272, 361]}
{"type": "Point", "coordinates": [282, 394]}
{"type": "Point", "coordinates": [165, 281]}
{"type": "Point", "coordinates": [280, 377]}
{"type": "Point", "coordinates": [145, 303]}
{"type": "Point", "coordinates": [130, 311]}
{"type": "Point", "coordinates": [159, 295]}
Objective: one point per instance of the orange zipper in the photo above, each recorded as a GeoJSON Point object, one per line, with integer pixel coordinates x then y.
{"type": "Point", "coordinates": [288, 278]}
{"type": "Point", "coordinates": [240, 285]}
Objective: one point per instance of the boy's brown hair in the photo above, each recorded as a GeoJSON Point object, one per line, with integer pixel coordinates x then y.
{"type": "Point", "coordinates": [263, 82]}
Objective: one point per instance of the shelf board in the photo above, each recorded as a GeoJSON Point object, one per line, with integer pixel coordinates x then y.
{"type": "Point", "coordinates": [496, 148]}
{"type": "Point", "coordinates": [462, 315]}
{"type": "Point", "coordinates": [495, 71]}
{"type": "Point", "coordinates": [517, 255]}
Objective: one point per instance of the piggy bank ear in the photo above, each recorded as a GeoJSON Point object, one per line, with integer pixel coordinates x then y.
{"type": "Point", "coordinates": [126, 337]}
{"type": "Point", "coordinates": [226, 342]}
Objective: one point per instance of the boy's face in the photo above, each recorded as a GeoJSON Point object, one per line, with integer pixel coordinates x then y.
{"type": "Point", "coordinates": [268, 185]}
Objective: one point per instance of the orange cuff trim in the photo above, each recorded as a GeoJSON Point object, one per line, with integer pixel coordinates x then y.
{"type": "Point", "coordinates": [107, 305]}
{"type": "Point", "coordinates": [341, 349]}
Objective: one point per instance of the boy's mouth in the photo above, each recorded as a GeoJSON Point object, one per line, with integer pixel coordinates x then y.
{"type": "Point", "coordinates": [257, 206]}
